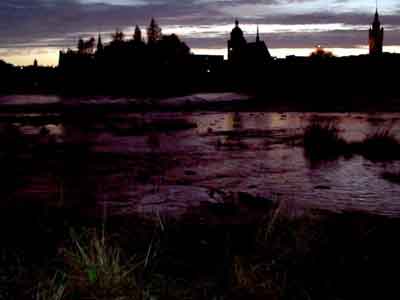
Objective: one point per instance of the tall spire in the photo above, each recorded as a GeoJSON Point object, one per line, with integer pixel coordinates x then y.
{"type": "Point", "coordinates": [376, 12]}
{"type": "Point", "coordinates": [376, 34]}
{"type": "Point", "coordinates": [137, 36]}
{"type": "Point", "coordinates": [376, 22]}
{"type": "Point", "coordinates": [237, 23]}
{"type": "Point", "coordinates": [99, 43]}
{"type": "Point", "coordinates": [258, 35]}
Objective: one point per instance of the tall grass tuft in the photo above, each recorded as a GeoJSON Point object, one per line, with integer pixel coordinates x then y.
{"type": "Point", "coordinates": [283, 240]}
{"type": "Point", "coordinates": [97, 270]}
{"type": "Point", "coordinates": [54, 289]}
{"type": "Point", "coordinates": [392, 176]}
{"type": "Point", "coordinates": [322, 141]}
{"type": "Point", "coordinates": [380, 145]}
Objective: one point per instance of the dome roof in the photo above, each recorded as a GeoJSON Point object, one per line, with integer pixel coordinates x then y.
{"type": "Point", "coordinates": [237, 32]}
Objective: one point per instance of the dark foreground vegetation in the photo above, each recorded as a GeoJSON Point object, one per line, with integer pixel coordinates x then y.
{"type": "Point", "coordinates": [392, 176]}
{"type": "Point", "coordinates": [51, 253]}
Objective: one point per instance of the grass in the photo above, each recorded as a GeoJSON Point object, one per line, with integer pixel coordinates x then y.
{"type": "Point", "coordinates": [53, 289]}
{"type": "Point", "coordinates": [380, 145]}
{"type": "Point", "coordinates": [287, 255]}
{"type": "Point", "coordinates": [97, 270]}
{"type": "Point", "coordinates": [392, 176]}
{"type": "Point", "coordinates": [282, 238]}
{"type": "Point", "coordinates": [322, 141]}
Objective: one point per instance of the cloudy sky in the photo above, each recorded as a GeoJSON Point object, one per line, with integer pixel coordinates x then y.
{"type": "Point", "coordinates": [40, 28]}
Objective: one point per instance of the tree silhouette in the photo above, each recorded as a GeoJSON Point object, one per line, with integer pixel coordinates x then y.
{"type": "Point", "coordinates": [321, 52]}
{"type": "Point", "coordinates": [81, 45]}
{"type": "Point", "coordinates": [86, 47]}
{"type": "Point", "coordinates": [172, 48]}
{"type": "Point", "coordinates": [89, 45]}
{"type": "Point", "coordinates": [154, 33]}
{"type": "Point", "coordinates": [118, 36]}
{"type": "Point", "coordinates": [137, 37]}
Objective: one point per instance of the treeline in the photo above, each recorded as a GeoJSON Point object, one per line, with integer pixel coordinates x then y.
{"type": "Point", "coordinates": [163, 64]}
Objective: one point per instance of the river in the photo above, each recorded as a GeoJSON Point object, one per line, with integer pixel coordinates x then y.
{"type": "Point", "coordinates": [170, 161]}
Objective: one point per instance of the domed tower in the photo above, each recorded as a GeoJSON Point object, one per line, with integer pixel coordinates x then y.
{"type": "Point", "coordinates": [376, 33]}
{"type": "Point", "coordinates": [237, 43]}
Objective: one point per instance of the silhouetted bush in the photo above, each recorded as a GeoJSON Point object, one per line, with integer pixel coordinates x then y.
{"type": "Point", "coordinates": [392, 176]}
{"type": "Point", "coordinates": [380, 145]}
{"type": "Point", "coordinates": [322, 141]}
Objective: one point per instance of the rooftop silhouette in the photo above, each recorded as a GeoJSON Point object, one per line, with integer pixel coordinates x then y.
{"type": "Point", "coordinates": [164, 64]}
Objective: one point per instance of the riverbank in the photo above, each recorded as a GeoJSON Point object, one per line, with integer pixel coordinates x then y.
{"type": "Point", "coordinates": [49, 253]}
{"type": "Point", "coordinates": [217, 102]}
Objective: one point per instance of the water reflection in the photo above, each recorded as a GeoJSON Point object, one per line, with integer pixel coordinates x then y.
{"type": "Point", "coordinates": [233, 138]}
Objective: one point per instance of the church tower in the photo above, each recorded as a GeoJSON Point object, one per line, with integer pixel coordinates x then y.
{"type": "Point", "coordinates": [376, 33]}
{"type": "Point", "coordinates": [258, 35]}
{"type": "Point", "coordinates": [137, 36]}
{"type": "Point", "coordinates": [237, 44]}
{"type": "Point", "coordinates": [100, 46]}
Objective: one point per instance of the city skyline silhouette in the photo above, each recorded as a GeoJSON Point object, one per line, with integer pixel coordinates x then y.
{"type": "Point", "coordinates": [293, 30]}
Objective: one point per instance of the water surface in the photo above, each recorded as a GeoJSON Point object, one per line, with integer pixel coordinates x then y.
{"type": "Point", "coordinates": [143, 161]}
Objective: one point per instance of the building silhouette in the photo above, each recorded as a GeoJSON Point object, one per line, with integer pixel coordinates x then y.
{"type": "Point", "coordinates": [236, 44]}
{"type": "Point", "coordinates": [241, 52]}
{"type": "Point", "coordinates": [376, 33]}
{"type": "Point", "coordinates": [100, 46]}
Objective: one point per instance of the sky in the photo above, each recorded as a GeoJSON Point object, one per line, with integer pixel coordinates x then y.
{"type": "Point", "coordinates": [38, 29]}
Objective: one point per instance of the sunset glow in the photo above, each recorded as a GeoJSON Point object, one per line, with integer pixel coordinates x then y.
{"type": "Point", "coordinates": [49, 57]}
